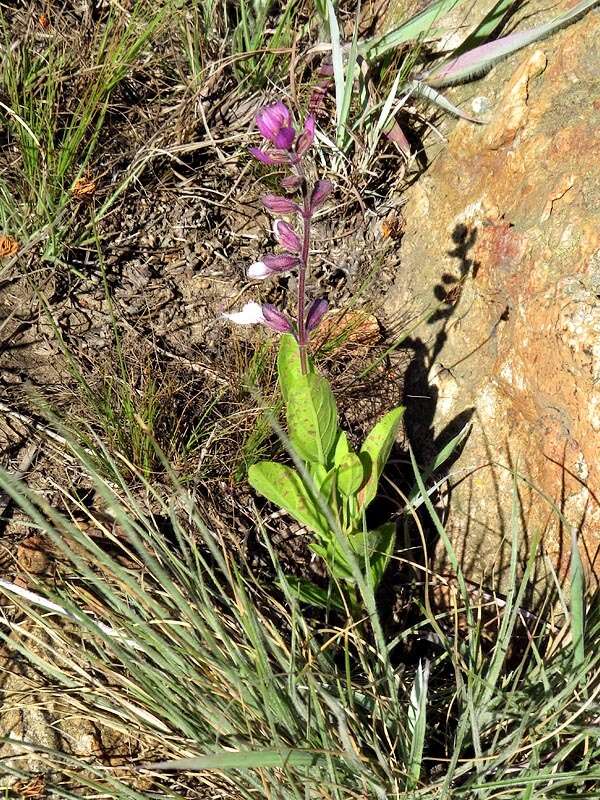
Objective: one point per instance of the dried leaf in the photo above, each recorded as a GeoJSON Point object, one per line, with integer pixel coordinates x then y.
{"type": "Point", "coordinates": [84, 188]}
{"type": "Point", "coordinates": [8, 246]}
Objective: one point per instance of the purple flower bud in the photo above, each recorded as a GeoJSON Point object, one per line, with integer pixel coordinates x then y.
{"type": "Point", "coordinates": [320, 194]}
{"type": "Point", "coordinates": [275, 319]}
{"type": "Point", "coordinates": [286, 236]}
{"type": "Point", "coordinates": [308, 136]}
{"type": "Point", "coordinates": [280, 263]}
{"type": "Point", "coordinates": [271, 119]}
{"type": "Point", "coordinates": [272, 159]}
{"type": "Point", "coordinates": [325, 70]}
{"type": "Point", "coordinates": [316, 312]}
{"type": "Point", "coordinates": [291, 182]}
{"type": "Point", "coordinates": [279, 205]}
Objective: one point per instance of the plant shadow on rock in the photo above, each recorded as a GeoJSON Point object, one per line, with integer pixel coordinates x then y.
{"type": "Point", "coordinates": [420, 397]}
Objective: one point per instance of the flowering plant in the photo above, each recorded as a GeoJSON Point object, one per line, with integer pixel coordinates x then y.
{"type": "Point", "coordinates": [330, 490]}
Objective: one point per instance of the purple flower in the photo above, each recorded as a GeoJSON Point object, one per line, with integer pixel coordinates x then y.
{"type": "Point", "coordinates": [275, 319]}
{"type": "Point", "coordinates": [286, 236]}
{"type": "Point", "coordinates": [279, 205]}
{"type": "Point", "coordinates": [272, 159]}
{"type": "Point", "coordinates": [320, 194]}
{"type": "Point", "coordinates": [285, 138]}
{"type": "Point", "coordinates": [275, 124]}
{"type": "Point", "coordinates": [307, 137]}
{"type": "Point", "coordinates": [316, 312]}
{"type": "Point", "coordinates": [270, 264]}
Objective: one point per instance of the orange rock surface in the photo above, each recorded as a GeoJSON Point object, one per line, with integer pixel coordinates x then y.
{"type": "Point", "coordinates": [510, 213]}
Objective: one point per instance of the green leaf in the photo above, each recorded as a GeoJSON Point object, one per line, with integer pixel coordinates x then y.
{"type": "Point", "coordinates": [289, 365]}
{"type": "Point", "coordinates": [377, 448]}
{"type": "Point", "coordinates": [312, 418]}
{"type": "Point", "coordinates": [243, 759]}
{"type": "Point", "coordinates": [344, 81]}
{"type": "Point", "coordinates": [283, 486]}
{"type": "Point", "coordinates": [334, 559]}
{"type": "Point", "coordinates": [350, 475]}
{"type": "Point", "coordinates": [376, 548]}
{"type": "Point", "coordinates": [313, 595]}
{"type": "Point", "coordinates": [413, 28]}
{"type": "Point", "coordinates": [342, 448]}
{"type": "Point", "coordinates": [329, 487]}
{"type": "Point", "coordinates": [382, 541]}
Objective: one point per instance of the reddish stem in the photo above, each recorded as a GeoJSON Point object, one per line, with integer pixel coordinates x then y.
{"type": "Point", "coordinates": [302, 273]}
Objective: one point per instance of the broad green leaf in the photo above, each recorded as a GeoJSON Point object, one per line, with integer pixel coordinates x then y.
{"type": "Point", "coordinates": [319, 474]}
{"type": "Point", "coordinates": [377, 549]}
{"type": "Point", "coordinates": [480, 59]}
{"type": "Point", "coordinates": [312, 418]}
{"type": "Point", "coordinates": [342, 448]}
{"type": "Point", "coordinates": [377, 448]}
{"type": "Point", "coordinates": [329, 487]}
{"type": "Point", "coordinates": [383, 540]}
{"type": "Point", "coordinates": [414, 28]}
{"type": "Point", "coordinates": [350, 475]}
{"type": "Point", "coordinates": [336, 563]}
{"type": "Point", "coordinates": [310, 593]}
{"type": "Point", "coordinates": [243, 759]}
{"type": "Point", "coordinates": [289, 367]}
{"type": "Point", "coordinates": [283, 486]}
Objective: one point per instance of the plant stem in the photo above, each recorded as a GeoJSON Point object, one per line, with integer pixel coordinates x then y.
{"type": "Point", "coordinates": [302, 273]}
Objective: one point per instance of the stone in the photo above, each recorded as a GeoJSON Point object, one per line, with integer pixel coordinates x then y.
{"type": "Point", "coordinates": [502, 245]}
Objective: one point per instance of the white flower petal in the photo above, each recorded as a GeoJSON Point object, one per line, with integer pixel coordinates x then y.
{"type": "Point", "coordinates": [251, 314]}
{"type": "Point", "coordinates": [259, 270]}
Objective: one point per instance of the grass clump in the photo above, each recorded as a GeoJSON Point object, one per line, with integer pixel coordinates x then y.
{"type": "Point", "coordinates": [164, 638]}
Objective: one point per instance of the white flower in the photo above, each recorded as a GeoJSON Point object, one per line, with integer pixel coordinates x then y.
{"type": "Point", "coordinates": [251, 314]}
{"type": "Point", "coordinates": [259, 270]}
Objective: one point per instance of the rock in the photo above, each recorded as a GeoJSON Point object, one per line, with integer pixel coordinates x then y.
{"type": "Point", "coordinates": [502, 244]}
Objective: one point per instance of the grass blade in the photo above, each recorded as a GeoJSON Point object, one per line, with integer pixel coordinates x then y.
{"type": "Point", "coordinates": [577, 597]}
{"type": "Point", "coordinates": [412, 29]}
{"type": "Point", "coordinates": [244, 759]}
